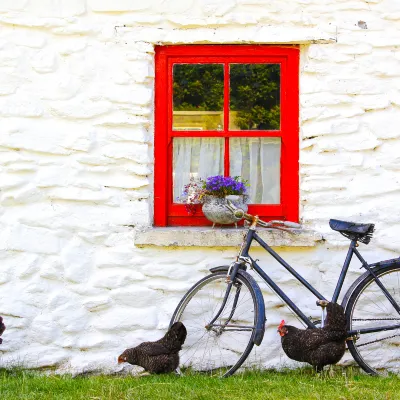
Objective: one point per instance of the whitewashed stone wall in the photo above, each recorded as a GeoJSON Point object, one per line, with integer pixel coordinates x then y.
{"type": "Point", "coordinates": [76, 160]}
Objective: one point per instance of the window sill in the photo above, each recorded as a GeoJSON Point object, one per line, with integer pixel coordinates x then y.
{"type": "Point", "coordinates": [222, 237]}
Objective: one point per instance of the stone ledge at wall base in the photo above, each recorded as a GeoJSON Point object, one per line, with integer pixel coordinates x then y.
{"type": "Point", "coordinates": [222, 237]}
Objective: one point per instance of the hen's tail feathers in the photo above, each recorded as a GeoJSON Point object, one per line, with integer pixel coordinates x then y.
{"type": "Point", "coordinates": [2, 326]}
{"type": "Point", "coordinates": [180, 331]}
{"type": "Point", "coordinates": [335, 320]}
{"type": "Point", "coordinates": [174, 338]}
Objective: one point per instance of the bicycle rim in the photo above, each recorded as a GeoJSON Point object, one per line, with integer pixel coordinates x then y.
{"type": "Point", "coordinates": [219, 350]}
{"type": "Point", "coordinates": [377, 353]}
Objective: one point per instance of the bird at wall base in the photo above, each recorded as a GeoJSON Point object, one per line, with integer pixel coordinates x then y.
{"type": "Point", "coordinates": [161, 356]}
{"type": "Point", "coordinates": [319, 346]}
{"type": "Point", "coordinates": [2, 329]}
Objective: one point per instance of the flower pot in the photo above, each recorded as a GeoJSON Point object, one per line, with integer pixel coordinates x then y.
{"type": "Point", "coordinates": [215, 210]}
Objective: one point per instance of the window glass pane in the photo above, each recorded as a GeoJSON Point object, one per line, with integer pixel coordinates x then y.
{"type": "Point", "coordinates": [198, 97]}
{"type": "Point", "coordinates": [196, 158]}
{"type": "Point", "coordinates": [254, 97]}
{"type": "Point", "coordinates": [257, 160]}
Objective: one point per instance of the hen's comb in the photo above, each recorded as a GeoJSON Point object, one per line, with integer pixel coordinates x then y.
{"type": "Point", "coordinates": [281, 324]}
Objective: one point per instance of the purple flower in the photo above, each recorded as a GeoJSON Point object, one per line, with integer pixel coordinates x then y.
{"type": "Point", "coordinates": [222, 186]}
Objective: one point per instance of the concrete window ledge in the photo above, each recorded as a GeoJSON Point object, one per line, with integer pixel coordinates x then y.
{"type": "Point", "coordinates": [222, 237]}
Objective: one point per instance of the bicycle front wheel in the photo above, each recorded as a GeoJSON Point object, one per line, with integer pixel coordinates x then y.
{"type": "Point", "coordinates": [379, 352]}
{"type": "Point", "coordinates": [219, 348]}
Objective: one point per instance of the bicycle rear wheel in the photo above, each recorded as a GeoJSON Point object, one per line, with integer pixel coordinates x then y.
{"type": "Point", "coordinates": [222, 348]}
{"type": "Point", "coordinates": [379, 352]}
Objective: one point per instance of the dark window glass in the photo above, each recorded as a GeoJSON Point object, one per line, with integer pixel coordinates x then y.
{"type": "Point", "coordinates": [198, 97]}
{"type": "Point", "coordinates": [254, 97]}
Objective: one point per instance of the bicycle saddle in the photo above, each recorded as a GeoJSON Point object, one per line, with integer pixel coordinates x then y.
{"type": "Point", "coordinates": [351, 230]}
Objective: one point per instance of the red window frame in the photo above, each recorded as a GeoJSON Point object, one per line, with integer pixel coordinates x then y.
{"type": "Point", "coordinates": [167, 213]}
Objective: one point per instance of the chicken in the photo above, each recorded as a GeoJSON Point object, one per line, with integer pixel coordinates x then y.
{"type": "Point", "coordinates": [318, 347]}
{"type": "Point", "coordinates": [160, 356]}
{"type": "Point", "coordinates": [2, 329]}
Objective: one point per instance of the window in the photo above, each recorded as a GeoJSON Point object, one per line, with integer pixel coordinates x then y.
{"type": "Point", "coordinates": [227, 110]}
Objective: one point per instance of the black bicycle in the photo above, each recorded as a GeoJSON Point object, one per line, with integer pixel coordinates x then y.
{"type": "Point", "coordinates": [225, 312]}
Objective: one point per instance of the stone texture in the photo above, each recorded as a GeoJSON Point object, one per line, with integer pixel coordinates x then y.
{"type": "Point", "coordinates": [97, 304]}
{"type": "Point", "coordinates": [120, 5]}
{"type": "Point", "coordinates": [126, 319]}
{"type": "Point", "coordinates": [137, 296]}
{"type": "Point", "coordinates": [56, 9]}
{"type": "Point", "coordinates": [44, 61]}
{"type": "Point", "coordinates": [52, 269]}
{"type": "Point", "coordinates": [20, 106]}
{"type": "Point", "coordinates": [31, 240]}
{"type": "Point", "coordinates": [206, 237]}
{"type": "Point", "coordinates": [44, 330]}
{"type": "Point", "coordinates": [6, 5]}
{"type": "Point", "coordinates": [81, 108]}
{"type": "Point", "coordinates": [113, 279]}
{"type": "Point", "coordinates": [42, 136]}
{"type": "Point", "coordinates": [77, 259]}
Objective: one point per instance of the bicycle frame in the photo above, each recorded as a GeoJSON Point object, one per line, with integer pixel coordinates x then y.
{"type": "Point", "coordinates": [244, 257]}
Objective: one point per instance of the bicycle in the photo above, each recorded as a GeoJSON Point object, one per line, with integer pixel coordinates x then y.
{"type": "Point", "coordinates": [224, 312]}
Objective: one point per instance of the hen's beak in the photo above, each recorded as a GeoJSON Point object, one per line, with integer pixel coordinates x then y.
{"type": "Point", "coordinates": [120, 360]}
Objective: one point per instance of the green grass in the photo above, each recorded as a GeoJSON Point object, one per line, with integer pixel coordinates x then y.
{"type": "Point", "coordinates": [297, 384]}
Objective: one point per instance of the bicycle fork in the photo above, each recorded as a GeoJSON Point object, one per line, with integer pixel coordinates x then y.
{"type": "Point", "coordinates": [230, 279]}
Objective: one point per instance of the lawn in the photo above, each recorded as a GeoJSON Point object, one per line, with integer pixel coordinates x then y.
{"type": "Point", "coordinates": [298, 384]}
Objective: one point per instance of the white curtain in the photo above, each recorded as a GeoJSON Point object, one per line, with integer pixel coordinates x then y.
{"type": "Point", "coordinates": [257, 160]}
{"type": "Point", "coordinates": [197, 158]}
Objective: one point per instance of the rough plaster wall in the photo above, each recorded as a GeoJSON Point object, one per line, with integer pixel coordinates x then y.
{"type": "Point", "coordinates": [76, 160]}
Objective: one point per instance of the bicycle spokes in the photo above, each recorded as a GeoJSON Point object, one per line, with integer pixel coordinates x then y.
{"type": "Point", "coordinates": [219, 346]}
{"type": "Point", "coordinates": [376, 324]}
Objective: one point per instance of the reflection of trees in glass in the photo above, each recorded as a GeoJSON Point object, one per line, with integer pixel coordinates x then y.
{"type": "Point", "coordinates": [255, 95]}
{"type": "Point", "coordinates": [198, 87]}
{"type": "Point", "coordinates": [254, 92]}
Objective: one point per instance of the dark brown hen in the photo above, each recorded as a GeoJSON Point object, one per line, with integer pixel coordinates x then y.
{"type": "Point", "coordinates": [160, 356]}
{"type": "Point", "coordinates": [2, 329]}
{"type": "Point", "coordinates": [318, 347]}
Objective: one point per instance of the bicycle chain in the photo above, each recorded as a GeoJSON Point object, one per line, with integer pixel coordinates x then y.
{"type": "Point", "coordinates": [378, 340]}
{"type": "Point", "coordinates": [376, 319]}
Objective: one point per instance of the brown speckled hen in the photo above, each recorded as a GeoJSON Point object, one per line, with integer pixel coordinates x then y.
{"type": "Point", "coordinates": [160, 356]}
{"type": "Point", "coordinates": [318, 347]}
{"type": "Point", "coordinates": [2, 329]}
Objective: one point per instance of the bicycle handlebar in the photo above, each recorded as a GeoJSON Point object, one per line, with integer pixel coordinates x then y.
{"type": "Point", "coordinates": [276, 224]}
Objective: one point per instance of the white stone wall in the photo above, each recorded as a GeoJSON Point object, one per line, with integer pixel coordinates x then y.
{"type": "Point", "coordinates": [76, 160]}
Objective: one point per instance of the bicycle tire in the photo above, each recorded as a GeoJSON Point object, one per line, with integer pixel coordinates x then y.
{"type": "Point", "coordinates": [367, 303]}
{"type": "Point", "coordinates": [223, 361]}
